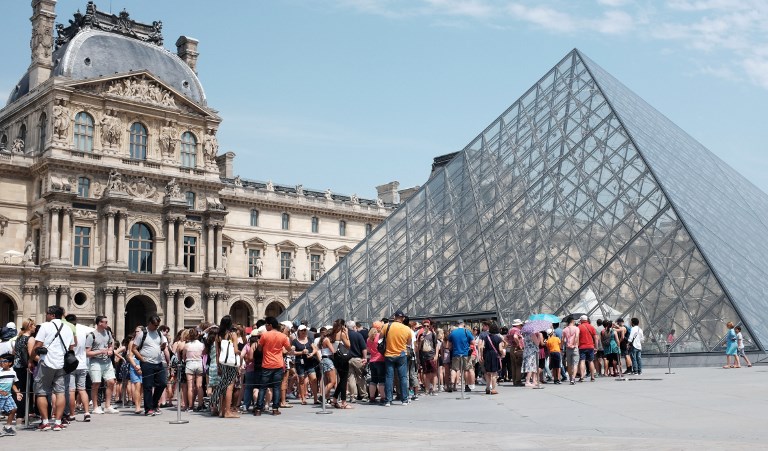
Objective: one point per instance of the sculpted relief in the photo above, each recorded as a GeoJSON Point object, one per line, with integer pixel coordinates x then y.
{"type": "Point", "coordinates": [60, 120]}
{"type": "Point", "coordinates": [141, 90]}
{"type": "Point", "coordinates": [110, 129]}
{"type": "Point", "coordinates": [138, 188]}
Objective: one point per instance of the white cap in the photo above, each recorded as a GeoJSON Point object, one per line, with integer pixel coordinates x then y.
{"type": "Point", "coordinates": [11, 325]}
{"type": "Point", "coordinates": [287, 324]}
{"type": "Point", "coordinates": [302, 327]}
{"type": "Point", "coordinates": [583, 318]}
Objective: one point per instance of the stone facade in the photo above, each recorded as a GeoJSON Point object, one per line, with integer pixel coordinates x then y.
{"type": "Point", "coordinates": [115, 200]}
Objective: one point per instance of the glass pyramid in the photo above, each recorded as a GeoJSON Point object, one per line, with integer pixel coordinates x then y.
{"type": "Point", "coordinates": [579, 198]}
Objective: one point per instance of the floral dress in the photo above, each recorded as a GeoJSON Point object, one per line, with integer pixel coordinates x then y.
{"type": "Point", "coordinates": [530, 354]}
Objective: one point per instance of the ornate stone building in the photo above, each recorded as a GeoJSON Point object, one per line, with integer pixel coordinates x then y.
{"type": "Point", "coordinates": [115, 200]}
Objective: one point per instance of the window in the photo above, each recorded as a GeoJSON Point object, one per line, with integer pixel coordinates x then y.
{"type": "Point", "coordinates": [285, 265]}
{"type": "Point", "coordinates": [43, 131]}
{"type": "Point", "coordinates": [83, 186]}
{"type": "Point", "coordinates": [190, 253]}
{"type": "Point", "coordinates": [140, 249]}
{"type": "Point", "coordinates": [342, 228]}
{"type": "Point", "coordinates": [23, 134]}
{"type": "Point", "coordinates": [190, 200]}
{"type": "Point", "coordinates": [138, 141]}
{"type": "Point", "coordinates": [314, 266]}
{"type": "Point", "coordinates": [82, 246]}
{"type": "Point", "coordinates": [368, 229]}
{"type": "Point", "coordinates": [286, 221]}
{"type": "Point", "coordinates": [3, 141]}
{"type": "Point", "coordinates": [84, 132]}
{"type": "Point", "coordinates": [253, 262]}
{"type": "Point", "coordinates": [315, 224]}
{"type": "Point", "coordinates": [254, 218]}
{"type": "Point", "coordinates": [188, 150]}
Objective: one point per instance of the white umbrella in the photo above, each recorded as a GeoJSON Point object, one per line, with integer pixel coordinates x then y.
{"type": "Point", "coordinates": [13, 253]}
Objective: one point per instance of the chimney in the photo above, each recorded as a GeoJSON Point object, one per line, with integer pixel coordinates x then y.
{"type": "Point", "coordinates": [41, 44]}
{"type": "Point", "coordinates": [388, 192]}
{"type": "Point", "coordinates": [186, 48]}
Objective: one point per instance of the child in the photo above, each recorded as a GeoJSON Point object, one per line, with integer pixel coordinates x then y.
{"type": "Point", "coordinates": [740, 351]}
{"type": "Point", "coordinates": [7, 388]}
{"type": "Point", "coordinates": [553, 346]}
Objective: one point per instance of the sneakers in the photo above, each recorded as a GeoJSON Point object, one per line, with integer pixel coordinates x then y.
{"type": "Point", "coordinates": [150, 413]}
{"type": "Point", "coordinates": [467, 389]}
{"type": "Point", "coordinates": [57, 428]}
{"type": "Point", "coordinates": [111, 409]}
{"type": "Point", "coordinates": [405, 403]}
{"type": "Point", "coordinates": [387, 404]}
{"type": "Point", "coordinates": [573, 382]}
{"type": "Point", "coordinates": [98, 411]}
{"type": "Point", "coordinates": [9, 430]}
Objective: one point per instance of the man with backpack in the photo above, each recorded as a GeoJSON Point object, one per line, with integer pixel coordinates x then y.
{"type": "Point", "coordinates": [147, 347]}
{"type": "Point", "coordinates": [395, 336]}
{"type": "Point", "coordinates": [99, 346]}
{"type": "Point", "coordinates": [52, 342]}
{"type": "Point", "coordinates": [427, 347]}
{"type": "Point", "coordinates": [460, 339]}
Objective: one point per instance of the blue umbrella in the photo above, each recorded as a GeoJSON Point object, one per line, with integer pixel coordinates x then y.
{"type": "Point", "coordinates": [545, 317]}
{"type": "Point", "coordinates": [532, 327]}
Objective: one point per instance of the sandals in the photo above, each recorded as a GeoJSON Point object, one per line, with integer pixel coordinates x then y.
{"type": "Point", "coordinates": [342, 406]}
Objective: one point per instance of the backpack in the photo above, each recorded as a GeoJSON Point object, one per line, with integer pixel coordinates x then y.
{"type": "Point", "coordinates": [429, 345]}
{"type": "Point", "coordinates": [605, 338]}
{"type": "Point", "coordinates": [143, 338]}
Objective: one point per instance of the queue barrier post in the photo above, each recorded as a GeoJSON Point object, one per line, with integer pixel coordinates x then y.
{"type": "Point", "coordinates": [669, 359]}
{"type": "Point", "coordinates": [461, 389]}
{"type": "Point", "coordinates": [178, 419]}
{"type": "Point", "coordinates": [322, 411]}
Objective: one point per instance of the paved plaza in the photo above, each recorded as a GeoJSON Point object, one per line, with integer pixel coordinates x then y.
{"type": "Point", "coordinates": [702, 408]}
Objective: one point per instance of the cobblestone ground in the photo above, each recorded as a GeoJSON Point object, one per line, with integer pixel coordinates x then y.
{"type": "Point", "coordinates": [698, 408]}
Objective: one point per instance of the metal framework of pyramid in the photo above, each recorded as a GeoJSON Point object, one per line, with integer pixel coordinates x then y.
{"type": "Point", "coordinates": [579, 197]}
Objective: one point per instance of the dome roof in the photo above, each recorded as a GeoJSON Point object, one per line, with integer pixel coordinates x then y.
{"type": "Point", "coordinates": [94, 53]}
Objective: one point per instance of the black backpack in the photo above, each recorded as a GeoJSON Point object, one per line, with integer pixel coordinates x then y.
{"type": "Point", "coordinates": [605, 338]}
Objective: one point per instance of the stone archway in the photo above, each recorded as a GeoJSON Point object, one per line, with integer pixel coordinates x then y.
{"type": "Point", "coordinates": [275, 308]}
{"type": "Point", "coordinates": [7, 309]}
{"type": "Point", "coordinates": [241, 313]}
{"type": "Point", "coordinates": [137, 312]}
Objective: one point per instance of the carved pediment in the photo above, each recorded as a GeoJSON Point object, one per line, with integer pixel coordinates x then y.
{"type": "Point", "coordinates": [256, 243]}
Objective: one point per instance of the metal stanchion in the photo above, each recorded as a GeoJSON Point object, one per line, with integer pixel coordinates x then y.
{"type": "Point", "coordinates": [178, 419]}
{"type": "Point", "coordinates": [462, 380]}
{"type": "Point", "coordinates": [669, 359]}
{"type": "Point", "coordinates": [27, 395]}
{"type": "Point", "coordinates": [322, 387]}
{"type": "Point", "coordinates": [622, 376]}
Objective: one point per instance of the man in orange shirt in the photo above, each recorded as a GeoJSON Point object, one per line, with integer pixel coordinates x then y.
{"type": "Point", "coordinates": [272, 344]}
{"type": "Point", "coordinates": [397, 336]}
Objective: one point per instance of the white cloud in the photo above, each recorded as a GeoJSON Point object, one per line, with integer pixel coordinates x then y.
{"type": "Point", "coordinates": [613, 3]}
{"type": "Point", "coordinates": [610, 22]}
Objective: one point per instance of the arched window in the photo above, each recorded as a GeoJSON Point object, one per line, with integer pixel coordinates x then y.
{"type": "Point", "coordinates": [188, 150]}
{"type": "Point", "coordinates": [315, 225]}
{"type": "Point", "coordinates": [83, 186]}
{"type": "Point", "coordinates": [190, 200]}
{"type": "Point", "coordinates": [254, 218]}
{"type": "Point", "coordinates": [368, 229]}
{"type": "Point", "coordinates": [84, 132]}
{"type": "Point", "coordinates": [286, 221]}
{"type": "Point", "coordinates": [342, 228]}
{"type": "Point", "coordinates": [140, 249]}
{"type": "Point", "coordinates": [3, 141]}
{"type": "Point", "coordinates": [43, 132]}
{"type": "Point", "coordinates": [23, 134]}
{"type": "Point", "coordinates": [138, 141]}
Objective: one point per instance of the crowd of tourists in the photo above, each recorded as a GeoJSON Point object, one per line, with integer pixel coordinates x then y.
{"type": "Point", "coordinates": [228, 369]}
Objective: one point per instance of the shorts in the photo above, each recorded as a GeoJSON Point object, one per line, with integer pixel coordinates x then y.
{"type": "Point", "coordinates": [327, 364]}
{"type": "Point", "coordinates": [428, 366]}
{"type": "Point", "coordinates": [624, 350]}
{"type": "Point", "coordinates": [554, 360]}
{"type": "Point", "coordinates": [378, 372]}
{"type": "Point", "coordinates": [740, 353]}
{"type": "Point", "coordinates": [600, 354]}
{"type": "Point", "coordinates": [588, 355]}
{"type": "Point", "coordinates": [7, 404]}
{"type": "Point", "coordinates": [306, 368]}
{"type": "Point", "coordinates": [101, 371]}
{"type": "Point", "coordinates": [571, 357]}
{"type": "Point", "coordinates": [77, 380]}
{"type": "Point", "coordinates": [542, 363]}
{"type": "Point", "coordinates": [612, 358]}
{"type": "Point", "coordinates": [49, 380]}
{"type": "Point", "coordinates": [456, 362]}
{"type": "Point", "coordinates": [133, 376]}
{"type": "Point", "coordinates": [194, 368]}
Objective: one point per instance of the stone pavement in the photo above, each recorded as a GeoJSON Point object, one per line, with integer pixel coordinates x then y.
{"type": "Point", "coordinates": [701, 408]}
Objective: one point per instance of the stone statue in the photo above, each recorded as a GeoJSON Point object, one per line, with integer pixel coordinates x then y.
{"type": "Point", "coordinates": [354, 199]}
{"type": "Point", "coordinates": [328, 194]}
{"type": "Point", "coordinates": [300, 190]}
{"type": "Point", "coordinates": [321, 269]}
{"type": "Point", "coordinates": [168, 140]}
{"type": "Point", "coordinates": [17, 146]}
{"type": "Point", "coordinates": [173, 190]}
{"type": "Point", "coordinates": [270, 186]}
{"type": "Point", "coordinates": [115, 182]}
{"type": "Point", "coordinates": [210, 146]}
{"type": "Point", "coordinates": [259, 265]}
{"type": "Point", "coordinates": [224, 261]}
{"type": "Point", "coordinates": [292, 271]}
{"type": "Point", "coordinates": [110, 130]}
{"type": "Point", "coordinates": [60, 120]}
{"type": "Point", "coordinates": [29, 250]}
{"type": "Point", "coordinates": [238, 182]}
{"type": "Point", "coordinates": [379, 202]}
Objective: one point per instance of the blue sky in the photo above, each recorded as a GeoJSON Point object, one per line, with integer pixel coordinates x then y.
{"type": "Point", "coordinates": [349, 94]}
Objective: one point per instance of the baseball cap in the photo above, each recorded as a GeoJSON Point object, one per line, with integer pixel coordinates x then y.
{"type": "Point", "coordinates": [399, 313]}
{"type": "Point", "coordinates": [287, 324]}
{"type": "Point", "coordinates": [583, 318]}
{"type": "Point", "coordinates": [11, 325]}
{"type": "Point", "coordinates": [302, 327]}
{"type": "Point", "coordinates": [517, 322]}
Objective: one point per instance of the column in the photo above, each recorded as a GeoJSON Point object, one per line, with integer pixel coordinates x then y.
{"type": "Point", "coordinates": [27, 306]}
{"type": "Point", "coordinates": [122, 243]}
{"type": "Point", "coordinates": [219, 228]}
{"type": "Point", "coordinates": [120, 314]}
{"type": "Point", "coordinates": [180, 309]}
{"type": "Point", "coordinates": [211, 301]}
{"type": "Point", "coordinates": [170, 306]}
{"type": "Point", "coordinates": [53, 249]}
{"type": "Point", "coordinates": [66, 235]}
{"type": "Point", "coordinates": [180, 244]}
{"type": "Point", "coordinates": [110, 237]}
{"type": "Point", "coordinates": [109, 303]}
{"type": "Point", "coordinates": [221, 306]}
{"type": "Point", "coordinates": [170, 243]}
{"type": "Point", "coordinates": [66, 300]}
{"type": "Point", "coordinates": [50, 295]}
{"type": "Point", "coordinates": [209, 249]}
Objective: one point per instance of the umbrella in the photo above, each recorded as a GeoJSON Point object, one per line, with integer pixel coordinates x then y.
{"type": "Point", "coordinates": [13, 253]}
{"type": "Point", "coordinates": [536, 326]}
{"type": "Point", "coordinates": [545, 317]}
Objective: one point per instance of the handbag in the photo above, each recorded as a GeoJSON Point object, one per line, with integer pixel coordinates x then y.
{"type": "Point", "coordinates": [342, 352]}
{"type": "Point", "coordinates": [70, 359]}
{"type": "Point", "coordinates": [227, 354]}
{"type": "Point", "coordinates": [381, 346]}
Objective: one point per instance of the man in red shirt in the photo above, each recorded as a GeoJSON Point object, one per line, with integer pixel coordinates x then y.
{"type": "Point", "coordinates": [587, 345]}
{"type": "Point", "coordinates": [272, 344]}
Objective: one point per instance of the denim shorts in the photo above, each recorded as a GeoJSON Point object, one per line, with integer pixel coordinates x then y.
{"type": "Point", "coordinates": [587, 355]}
{"type": "Point", "coordinates": [135, 378]}
{"type": "Point", "coordinates": [327, 364]}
